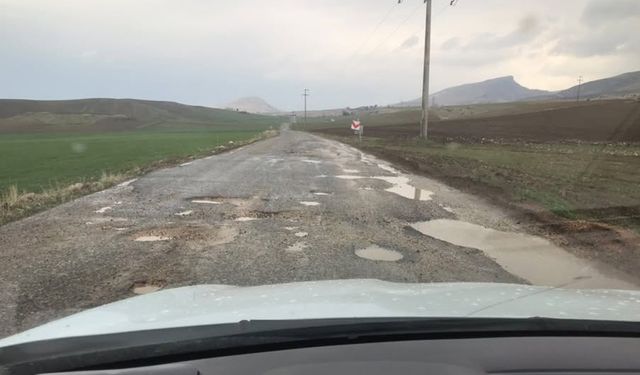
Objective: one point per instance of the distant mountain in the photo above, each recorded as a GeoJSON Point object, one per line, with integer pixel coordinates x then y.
{"type": "Point", "coordinates": [252, 105]}
{"type": "Point", "coordinates": [506, 89]}
{"type": "Point", "coordinates": [94, 115]}
{"type": "Point", "coordinates": [612, 87]}
{"type": "Point", "coordinates": [496, 90]}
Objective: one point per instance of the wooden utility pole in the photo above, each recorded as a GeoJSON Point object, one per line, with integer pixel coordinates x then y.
{"type": "Point", "coordinates": [305, 94]}
{"type": "Point", "coordinates": [424, 123]}
{"type": "Point", "coordinates": [578, 89]}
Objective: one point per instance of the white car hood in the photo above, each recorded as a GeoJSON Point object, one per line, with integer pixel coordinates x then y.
{"type": "Point", "coordinates": [217, 304]}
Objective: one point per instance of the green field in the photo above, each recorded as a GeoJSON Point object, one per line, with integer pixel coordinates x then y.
{"type": "Point", "coordinates": [36, 162]}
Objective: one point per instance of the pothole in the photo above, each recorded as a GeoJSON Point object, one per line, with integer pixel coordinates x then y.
{"type": "Point", "coordinates": [378, 253]}
{"type": "Point", "coordinates": [152, 238]}
{"type": "Point", "coordinates": [308, 203]}
{"type": "Point", "coordinates": [146, 287]}
{"type": "Point", "coordinates": [532, 258]}
{"type": "Point", "coordinates": [297, 247]}
{"type": "Point", "coordinates": [196, 235]}
{"type": "Point", "coordinates": [205, 201]}
{"type": "Point", "coordinates": [400, 185]}
{"type": "Point", "coordinates": [245, 218]}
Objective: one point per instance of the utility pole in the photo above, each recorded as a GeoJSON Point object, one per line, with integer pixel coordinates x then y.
{"type": "Point", "coordinates": [424, 124]}
{"type": "Point", "coordinates": [578, 90]}
{"type": "Point", "coordinates": [305, 94]}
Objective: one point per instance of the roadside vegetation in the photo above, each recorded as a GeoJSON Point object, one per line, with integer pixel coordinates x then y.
{"type": "Point", "coordinates": [38, 171]}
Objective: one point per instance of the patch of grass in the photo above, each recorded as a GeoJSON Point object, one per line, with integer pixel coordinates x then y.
{"type": "Point", "coordinates": [550, 200]}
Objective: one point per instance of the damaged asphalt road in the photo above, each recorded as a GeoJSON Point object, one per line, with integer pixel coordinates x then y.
{"type": "Point", "coordinates": [294, 207]}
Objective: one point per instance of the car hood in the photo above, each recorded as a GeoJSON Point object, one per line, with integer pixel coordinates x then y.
{"type": "Point", "coordinates": [218, 304]}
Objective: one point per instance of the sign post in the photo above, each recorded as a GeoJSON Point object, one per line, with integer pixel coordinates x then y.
{"type": "Point", "coordinates": [357, 128]}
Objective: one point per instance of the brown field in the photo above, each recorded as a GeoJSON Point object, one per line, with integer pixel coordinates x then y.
{"type": "Point", "coordinates": [603, 121]}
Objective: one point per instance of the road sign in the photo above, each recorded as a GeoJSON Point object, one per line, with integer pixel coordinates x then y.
{"type": "Point", "coordinates": [355, 125]}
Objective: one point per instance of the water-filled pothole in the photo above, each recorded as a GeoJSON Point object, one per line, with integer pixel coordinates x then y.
{"type": "Point", "coordinates": [375, 252]}
{"type": "Point", "coordinates": [197, 235]}
{"type": "Point", "coordinates": [146, 287]}
{"type": "Point", "coordinates": [532, 258]}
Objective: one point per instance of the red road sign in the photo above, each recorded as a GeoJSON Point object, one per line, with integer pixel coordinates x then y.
{"type": "Point", "coordinates": [355, 125]}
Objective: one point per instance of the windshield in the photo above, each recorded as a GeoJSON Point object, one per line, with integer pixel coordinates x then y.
{"type": "Point", "coordinates": [414, 158]}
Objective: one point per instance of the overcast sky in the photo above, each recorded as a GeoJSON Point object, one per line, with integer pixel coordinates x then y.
{"type": "Point", "coordinates": [348, 52]}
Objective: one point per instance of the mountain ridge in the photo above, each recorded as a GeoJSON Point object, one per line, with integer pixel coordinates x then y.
{"type": "Point", "coordinates": [507, 89]}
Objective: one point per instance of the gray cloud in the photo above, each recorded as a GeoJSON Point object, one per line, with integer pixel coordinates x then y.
{"type": "Point", "coordinates": [605, 29]}
{"type": "Point", "coordinates": [598, 12]}
{"type": "Point", "coordinates": [411, 41]}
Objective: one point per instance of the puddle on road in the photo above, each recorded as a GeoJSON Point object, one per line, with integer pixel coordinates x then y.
{"type": "Point", "coordinates": [399, 185]}
{"type": "Point", "coordinates": [351, 171]}
{"type": "Point", "coordinates": [184, 213]}
{"type": "Point", "coordinates": [388, 168]}
{"type": "Point", "coordinates": [301, 234]}
{"type": "Point", "coordinates": [144, 287]}
{"type": "Point", "coordinates": [297, 247]}
{"type": "Point", "coordinates": [402, 188]}
{"type": "Point", "coordinates": [205, 201]}
{"type": "Point", "coordinates": [375, 252]}
{"type": "Point", "coordinates": [290, 228]}
{"type": "Point", "coordinates": [103, 210]}
{"type": "Point", "coordinates": [446, 208]}
{"type": "Point", "coordinates": [127, 183]}
{"type": "Point", "coordinates": [311, 161]}
{"type": "Point", "coordinates": [320, 194]}
{"type": "Point", "coordinates": [310, 203]}
{"type": "Point", "coordinates": [152, 238]}
{"type": "Point", "coordinates": [532, 258]}
{"type": "Point", "coordinates": [193, 236]}
{"type": "Point", "coordinates": [245, 218]}
{"type": "Point", "coordinates": [185, 164]}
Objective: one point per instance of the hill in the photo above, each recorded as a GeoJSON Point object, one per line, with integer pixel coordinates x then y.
{"type": "Point", "coordinates": [496, 90]}
{"type": "Point", "coordinates": [506, 89]}
{"type": "Point", "coordinates": [612, 87]}
{"type": "Point", "coordinates": [252, 105]}
{"type": "Point", "coordinates": [104, 115]}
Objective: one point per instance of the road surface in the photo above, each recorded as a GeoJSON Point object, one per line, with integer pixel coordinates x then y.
{"type": "Point", "coordinates": [290, 208]}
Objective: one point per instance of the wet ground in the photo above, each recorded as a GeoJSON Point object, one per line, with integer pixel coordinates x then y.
{"type": "Point", "coordinates": [291, 208]}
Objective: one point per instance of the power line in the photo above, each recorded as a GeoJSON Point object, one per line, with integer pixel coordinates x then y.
{"type": "Point", "coordinates": [375, 30]}
{"type": "Point", "coordinates": [413, 12]}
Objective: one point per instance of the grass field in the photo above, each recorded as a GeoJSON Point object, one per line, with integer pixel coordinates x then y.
{"type": "Point", "coordinates": [37, 162]}
{"type": "Point", "coordinates": [38, 171]}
